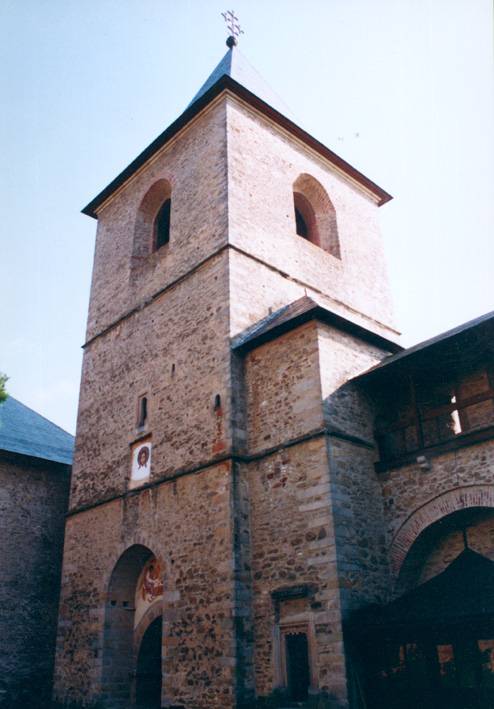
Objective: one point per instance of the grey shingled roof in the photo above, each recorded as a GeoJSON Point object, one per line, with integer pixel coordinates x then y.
{"type": "Point", "coordinates": [483, 322]}
{"type": "Point", "coordinates": [301, 311]}
{"type": "Point", "coordinates": [24, 431]}
{"type": "Point", "coordinates": [236, 66]}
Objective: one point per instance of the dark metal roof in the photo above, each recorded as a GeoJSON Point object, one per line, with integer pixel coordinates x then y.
{"type": "Point", "coordinates": [423, 349]}
{"type": "Point", "coordinates": [25, 432]}
{"type": "Point", "coordinates": [297, 313]}
{"type": "Point", "coordinates": [236, 66]}
{"type": "Point", "coordinates": [229, 75]}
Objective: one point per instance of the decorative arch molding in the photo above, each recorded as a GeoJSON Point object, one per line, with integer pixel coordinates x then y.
{"type": "Point", "coordinates": [452, 501]}
{"type": "Point", "coordinates": [318, 210]}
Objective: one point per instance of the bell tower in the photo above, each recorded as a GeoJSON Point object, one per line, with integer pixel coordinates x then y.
{"type": "Point", "coordinates": [238, 284]}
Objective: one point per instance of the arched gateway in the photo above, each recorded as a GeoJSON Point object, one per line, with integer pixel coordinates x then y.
{"type": "Point", "coordinates": [132, 664]}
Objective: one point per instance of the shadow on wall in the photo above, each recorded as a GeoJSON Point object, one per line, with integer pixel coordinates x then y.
{"type": "Point", "coordinates": [278, 700]}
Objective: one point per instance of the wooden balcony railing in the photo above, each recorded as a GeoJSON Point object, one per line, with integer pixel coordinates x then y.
{"type": "Point", "coordinates": [426, 427]}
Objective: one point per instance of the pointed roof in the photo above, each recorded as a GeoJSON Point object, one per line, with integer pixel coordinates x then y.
{"type": "Point", "coordinates": [238, 77]}
{"type": "Point", "coordinates": [235, 65]}
{"type": "Point", "coordinates": [25, 432]}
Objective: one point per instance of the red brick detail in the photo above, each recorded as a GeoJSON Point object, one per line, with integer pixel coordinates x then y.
{"type": "Point", "coordinates": [441, 506]}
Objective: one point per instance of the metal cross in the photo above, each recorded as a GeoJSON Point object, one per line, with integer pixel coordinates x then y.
{"type": "Point", "coordinates": [233, 24]}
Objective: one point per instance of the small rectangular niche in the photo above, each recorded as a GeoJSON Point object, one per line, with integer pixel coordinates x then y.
{"type": "Point", "coordinates": [140, 462]}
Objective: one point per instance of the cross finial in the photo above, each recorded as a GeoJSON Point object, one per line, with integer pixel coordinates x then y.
{"type": "Point", "coordinates": [233, 27]}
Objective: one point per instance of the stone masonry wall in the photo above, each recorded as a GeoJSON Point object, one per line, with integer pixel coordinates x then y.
{"type": "Point", "coordinates": [195, 165]}
{"type": "Point", "coordinates": [355, 489]}
{"type": "Point", "coordinates": [409, 489]}
{"type": "Point", "coordinates": [263, 164]}
{"type": "Point", "coordinates": [292, 543]}
{"type": "Point", "coordinates": [176, 351]}
{"type": "Point", "coordinates": [187, 525]}
{"type": "Point", "coordinates": [291, 525]}
{"type": "Point", "coordinates": [33, 502]}
{"type": "Point", "coordinates": [283, 389]}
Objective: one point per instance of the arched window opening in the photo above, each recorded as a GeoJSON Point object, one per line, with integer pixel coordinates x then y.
{"type": "Point", "coordinates": [152, 226]}
{"type": "Point", "coordinates": [315, 215]}
{"type": "Point", "coordinates": [162, 225]}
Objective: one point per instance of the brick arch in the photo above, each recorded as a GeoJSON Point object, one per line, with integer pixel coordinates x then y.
{"type": "Point", "coordinates": [434, 510]}
{"type": "Point", "coordinates": [319, 211]}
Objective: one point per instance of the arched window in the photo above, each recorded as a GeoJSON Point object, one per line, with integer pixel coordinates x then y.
{"type": "Point", "coordinates": [152, 226]}
{"type": "Point", "coordinates": [315, 216]}
{"type": "Point", "coordinates": [162, 225]}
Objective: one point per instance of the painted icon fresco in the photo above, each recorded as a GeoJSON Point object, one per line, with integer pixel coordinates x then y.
{"type": "Point", "coordinates": [149, 588]}
{"type": "Point", "coordinates": [141, 462]}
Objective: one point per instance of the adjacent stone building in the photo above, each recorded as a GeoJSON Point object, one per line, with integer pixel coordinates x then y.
{"type": "Point", "coordinates": [258, 462]}
{"type": "Point", "coordinates": [35, 458]}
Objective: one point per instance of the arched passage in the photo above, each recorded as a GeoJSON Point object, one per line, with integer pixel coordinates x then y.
{"type": "Point", "coordinates": [135, 580]}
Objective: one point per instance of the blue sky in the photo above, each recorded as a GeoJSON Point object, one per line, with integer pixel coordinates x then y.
{"type": "Point", "coordinates": [402, 89]}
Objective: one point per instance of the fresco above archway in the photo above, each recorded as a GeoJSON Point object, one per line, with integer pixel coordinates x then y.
{"type": "Point", "coordinates": [149, 588]}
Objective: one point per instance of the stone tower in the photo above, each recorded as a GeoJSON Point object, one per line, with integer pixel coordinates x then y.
{"type": "Point", "coordinates": [214, 540]}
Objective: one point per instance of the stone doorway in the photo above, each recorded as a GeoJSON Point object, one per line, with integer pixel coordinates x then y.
{"type": "Point", "coordinates": [297, 666]}
{"type": "Point", "coordinates": [148, 668]}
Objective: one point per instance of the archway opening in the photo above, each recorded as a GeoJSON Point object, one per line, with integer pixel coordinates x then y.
{"type": "Point", "coordinates": [132, 608]}
{"type": "Point", "coordinates": [148, 669]}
